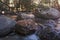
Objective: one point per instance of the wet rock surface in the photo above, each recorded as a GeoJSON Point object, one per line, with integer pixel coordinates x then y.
{"type": "Point", "coordinates": [25, 16]}
{"type": "Point", "coordinates": [49, 34]}
{"type": "Point", "coordinates": [26, 27]}
{"type": "Point", "coordinates": [6, 25]}
{"type": "Point", "coordinates": [48, 31]}
{"type": "Point", "coordinates": [46, 22]}
{"type": "Point", "coordinates": [18, 37]}
{"type": "Point", "coordinates": [49, 13]}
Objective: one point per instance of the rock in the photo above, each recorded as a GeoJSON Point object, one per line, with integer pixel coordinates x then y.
{"type": "Point", "coordinates": [14, 37]}
{"type": "Point", "coordinates": [46, 22]}
{"type": "Point", "coordinates": [50, 23]}
{"type": "Point", "coordinates": [25, 16]}
{"type": "Point", "coordinates": [46, 34]}
{"type": "Point", "coordinates": [51, 13]}
{"type": "Point", "coordinates": [18, 37]}
{"type": "Point", "coordinates": [49, 33]}
{"type": "Point", "coordinates": [32, 37]}
{"type": "Point", "coordinates": [26, 27]}
{"type": "Point", "coordinates": [6, 25]}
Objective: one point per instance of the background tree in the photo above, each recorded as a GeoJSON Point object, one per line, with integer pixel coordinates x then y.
{"type": "Point", "coordinates": [4, 6]}
{"type": "Point", "coordinates": [27, 4]}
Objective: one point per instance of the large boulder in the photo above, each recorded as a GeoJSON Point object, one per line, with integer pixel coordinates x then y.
{"type": "Point", "coordinates": [26, 27]}
{"type": "Point", "coordinates": [50, 13]}
{"type": "Point", "coordinates": [6, 25]}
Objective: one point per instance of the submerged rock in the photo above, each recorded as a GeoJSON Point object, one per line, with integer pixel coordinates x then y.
{"type": "Point", "coordinates": [6, 25]}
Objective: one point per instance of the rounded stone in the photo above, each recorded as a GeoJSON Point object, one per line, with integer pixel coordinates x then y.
{"type": "Point", "coordinates": [22, 16]}
{"type": "Point", "coordinates": [51, 13]}
{"type": "Point", "coordinates": [26, 27]}
{"type": "Point", "coordinates": [6, 25]}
